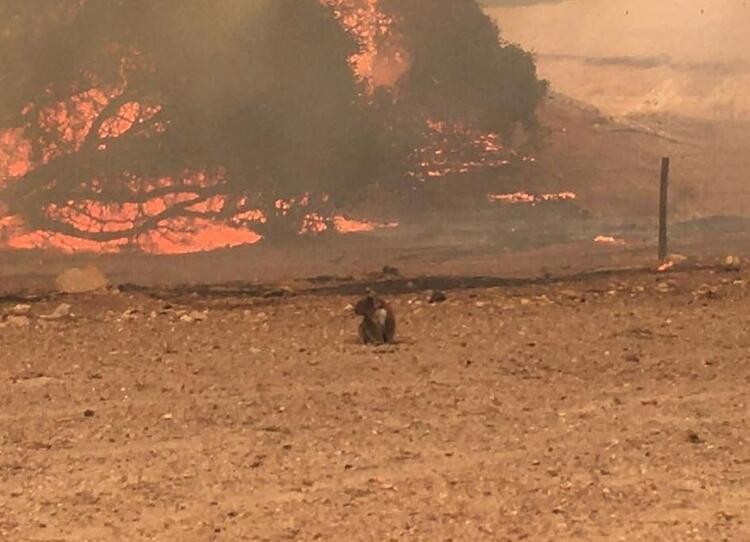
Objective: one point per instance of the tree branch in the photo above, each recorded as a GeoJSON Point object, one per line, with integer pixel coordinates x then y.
{"type": "Point", "coordinates": [143, 226]}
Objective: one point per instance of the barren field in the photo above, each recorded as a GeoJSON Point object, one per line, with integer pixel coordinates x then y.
{"type": "Point", "coordinates": [612, 407]}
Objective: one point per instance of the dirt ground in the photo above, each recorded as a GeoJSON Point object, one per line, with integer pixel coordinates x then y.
{"type": "Point", "coordinates": [607, 408]}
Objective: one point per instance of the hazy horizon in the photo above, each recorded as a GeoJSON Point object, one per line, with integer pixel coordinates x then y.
{"type": "Point", "coordinates": [699, 52]}
{"type": "Point", "coordinates": [684, 29]}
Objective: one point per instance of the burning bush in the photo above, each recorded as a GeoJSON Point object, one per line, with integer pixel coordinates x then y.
{"type": "Point", "coordinates": [461, 71]}
{"type": "Point", "coordinates": [143, 118]}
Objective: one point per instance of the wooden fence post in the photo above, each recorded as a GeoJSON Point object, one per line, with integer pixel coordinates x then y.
{"type": "Point", "coordinates": [663, 200]}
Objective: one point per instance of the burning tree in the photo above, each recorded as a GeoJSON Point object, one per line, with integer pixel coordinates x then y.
{"type": "Point", "coordinates": [140, 116]}
{"type": "Point", "coordinates": [139, 112]}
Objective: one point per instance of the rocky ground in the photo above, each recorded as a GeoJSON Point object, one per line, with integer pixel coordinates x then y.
{"type": "Point", "coordinates": [612, 407]}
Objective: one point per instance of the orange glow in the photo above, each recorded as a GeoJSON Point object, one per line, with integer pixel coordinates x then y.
{"type": "Point", "coordinates": [382, 60]}
{"type": "Point", "coordinates": [63, 243]}
{"type": "Point", "coordinates": [197, 236]}
{"type": "Point", "coordinates": [72, 120]}
{"type": "Point", "coordinates": [127, 116]}
{"type": "Point", "coordinates": [15, 155]}
{"type": "Point", "coordinates": [608, 240]}
{"type": "Point", "coordinates": [455, 149]}
{"type": "Point", "coordinates": [348, 225]}
{"type": "Point", "coordinates": [666, 266]}
{"type": "Point", "coordinates": [533, 199]}
{"type": "Point", "coordinates": [315, 223]}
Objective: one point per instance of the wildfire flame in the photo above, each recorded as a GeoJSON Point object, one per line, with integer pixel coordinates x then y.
{"type": "Point", "coordinates": [220, 221]}
{"type": "Point", "coordinates": [379, 62]}
{"type": "Point", "coordinates": [382, 60]}
{"type": "Point", "coordinates": [608, 240]}
{"type": "Point", "coordinates": [533, 199]}
{"type": "Point", "coordinates": [455, 149]}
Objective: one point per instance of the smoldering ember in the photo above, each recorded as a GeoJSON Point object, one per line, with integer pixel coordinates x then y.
{"type": "Point", "coordinates": [374, 270]}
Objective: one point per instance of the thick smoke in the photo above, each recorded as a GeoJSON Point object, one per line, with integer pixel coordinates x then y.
{"type": "Point", "coordinates": [167, 112]}
{"type": "Point", "coordinates": [687, 57]}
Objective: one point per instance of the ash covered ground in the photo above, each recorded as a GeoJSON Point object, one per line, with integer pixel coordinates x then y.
{"type": "Point", "coordinates": [607, 407]}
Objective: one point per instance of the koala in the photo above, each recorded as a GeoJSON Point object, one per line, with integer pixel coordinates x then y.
{"type": "Point", "coordinates": [378, 324]}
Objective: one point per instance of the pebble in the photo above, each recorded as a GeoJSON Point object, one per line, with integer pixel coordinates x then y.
{"type": "Point", "coordinates": [62, 311]}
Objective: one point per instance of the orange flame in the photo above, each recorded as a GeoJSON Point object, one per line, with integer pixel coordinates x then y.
{"type": "Point", "coordinates": [74, 120]}
{"type": "Point", "coordinates": [608, 240]}
{"type": "Point", "coordinates": [533, 199]}
{"type": "Point", "coordinates": [382, 60]}
{"type": "Point", "coordinates": [453, 148]}
{"type": "Point", "coordinates": [15, 155]}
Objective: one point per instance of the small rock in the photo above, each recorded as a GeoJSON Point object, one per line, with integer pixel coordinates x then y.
{"type": "Point", "coordinates": [167, 416]}
{"type": "Point", "coordinates": [694, 438]}
{"type": "Point", "coordinates": [194, 316]}
{"type": "Point", "coordinates": [705, 291]}
{"type": "Point", "coordinates": [665, 287]}
{"type": "Point", "coordinates": [199, 316]}
{"type": "Point", "coordinates": [732, 263]}
{"type": "Point", "coordinates": [84, 279]}
{"type": "Point", "coordinates": [21, 309]}
{"type": "Point", "coordinates": [14, 320]}
{"type": "Point", "coordinates": [62, 311]}
{"type": "Point", "coordinates": [88, 413]}
{"type": "Point", "coordinates": [632, 358]}
{"type": "Point", "coordinates": [725, 516]}
{"type": "Point", "coordinates": [130, 314]}
{"type": "Point", "coordinates": [437, 297]}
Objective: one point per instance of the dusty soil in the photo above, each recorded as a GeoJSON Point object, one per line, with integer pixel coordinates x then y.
{"type": "Point", "coordinates": [609, 408]}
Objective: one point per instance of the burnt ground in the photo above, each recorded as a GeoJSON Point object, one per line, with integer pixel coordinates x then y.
{"type": "Point", "coordinates": [612, 407]}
